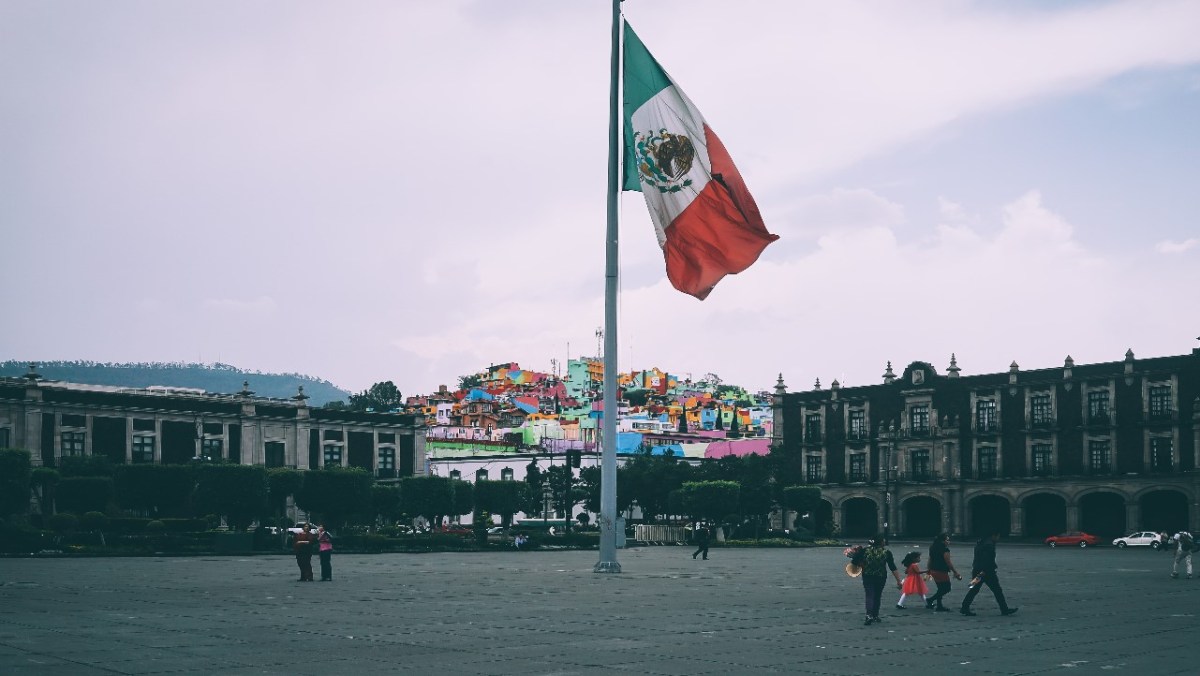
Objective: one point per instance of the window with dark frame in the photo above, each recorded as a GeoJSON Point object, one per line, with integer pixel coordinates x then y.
{"type": "Point", "coordinates": [387, 458]}
{"type": "Point", "coordinates": [858, 466]}
{"type": "Point", "coordinates": [333, 455]}
{"type": "Point", "coordinates": [212, 448]}
{"type": "Point", "coordinates": [1099, 455]}
{"type": "Point", "coordinates": [812, 469]}
{"type": "Point", "coordinates": [275, 453]}
{"type": "Point", "coordinates": [985, 415]}
{"type": "Point", "coordinates": [1162, 451]}
{"type": "Point", "coordinates": [1160, 401]}
{"type": "Point", "coordinates": [919, 467]}
{"type": "Point", "coordinates": [455, 474]}
{"type": "Point", "coordinates": [1098, 405]}
{"type": "Point", "coordinates": [812, 427]}
{"type": "Point", "coordinates": [987, 462]}
{"type": "Point", "coordinates": [1040, 412]}
{"type": "Point", "coordinates": [506, 474]}
{"type": "Point", "coordinates": [1042, 455]}
{"type": "Point", "coordinates": [72, 443]}
{"type": "Point", "coordinates": [481, 474]}
{"type": "Point", "coordinates": [918, 419]}
{"type": "Point", "coordinates": [143, 448]}
{"type": "Point", "coordinates": [858, 424]}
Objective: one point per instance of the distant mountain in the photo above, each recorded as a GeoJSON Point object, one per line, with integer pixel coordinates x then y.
{"type": "Point", "coordinates": [217, 378]}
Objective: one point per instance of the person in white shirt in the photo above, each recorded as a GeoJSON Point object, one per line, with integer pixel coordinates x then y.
{"type": "Point", "coordinates": [1184, 544]}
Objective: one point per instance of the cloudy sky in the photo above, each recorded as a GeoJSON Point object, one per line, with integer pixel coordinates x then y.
{"type": "Point", "coordinates": [411, 191]}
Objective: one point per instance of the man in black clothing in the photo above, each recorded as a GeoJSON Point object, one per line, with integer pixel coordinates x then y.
{"type": "Point", "coordinates": [983, 571]}
{"type": "Point", "coordinates": [701, 540]}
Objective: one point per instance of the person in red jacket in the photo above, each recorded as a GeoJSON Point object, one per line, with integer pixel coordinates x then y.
{"type": "Point", "coordinates": [302, 545]}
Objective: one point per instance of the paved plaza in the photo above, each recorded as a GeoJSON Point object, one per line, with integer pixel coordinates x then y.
{"type": "Point", "coordinates": [744, 611]}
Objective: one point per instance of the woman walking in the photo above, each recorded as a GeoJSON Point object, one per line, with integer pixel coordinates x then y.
{"type": "Point", "coordinates": [913, 582]}
{"type": "Point", "coordinates": [876, 560]}
{"type": "Point", "coordinates": [325, 551]}
{"type": "Point", "coordinates": [940, 568]}
{"type": "Point", "coordinates": [302, 545]}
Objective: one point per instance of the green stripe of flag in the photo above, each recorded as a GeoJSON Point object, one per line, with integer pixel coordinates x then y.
{"type": "Point", "coordinates": [643, 79]}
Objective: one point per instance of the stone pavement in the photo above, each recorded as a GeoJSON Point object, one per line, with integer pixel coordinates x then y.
{"type": "Point", "coordinates": [744, 611]}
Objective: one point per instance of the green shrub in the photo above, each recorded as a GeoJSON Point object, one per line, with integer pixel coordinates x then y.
{"type": "Point", "coordinates": [93, 521]}
{"type": "Point", "coordinates": [15, 474]}
{"type": "Point", "coordinates": [127, 524]}
{"type": "Point", "coordinates": [63, 523]}
{"type": "Point", "coordinates": [155, 526]}
{"type": "Point", "coordinates": [84, 494]}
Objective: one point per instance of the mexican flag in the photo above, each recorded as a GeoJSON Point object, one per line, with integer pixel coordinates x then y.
{"type": "Point", "coordinates": [707, 223]}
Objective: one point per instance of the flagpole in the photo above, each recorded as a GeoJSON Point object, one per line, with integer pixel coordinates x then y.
{"type": "Point", "coordinates": [608, 433]}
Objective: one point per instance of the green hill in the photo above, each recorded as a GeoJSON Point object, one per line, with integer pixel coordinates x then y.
{"type": "Point", "coordinates": [218, 378]}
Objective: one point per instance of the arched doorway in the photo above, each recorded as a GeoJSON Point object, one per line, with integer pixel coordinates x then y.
{"type": "Point", "coordinates": [1102, 514]}
{"type": "Point", "coordinates": [1164, 511]}
{"type": "Point", "coordinates": [1045, 515]}
{"type": "Point", "coordinates": [823, 518]}
{"type": "Point", "coordinates": [860, 517]}
{"type": "Point", "coordinates": [922, 516]}
{"type": "Point", "coordinates": [988, 512]}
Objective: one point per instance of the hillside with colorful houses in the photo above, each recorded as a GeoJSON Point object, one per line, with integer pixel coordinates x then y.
{"type": "Point", "coordinates": [505, 417]}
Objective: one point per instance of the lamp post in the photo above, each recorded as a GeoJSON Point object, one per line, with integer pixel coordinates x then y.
{"type": "Point", "coordinates": [887, 488]}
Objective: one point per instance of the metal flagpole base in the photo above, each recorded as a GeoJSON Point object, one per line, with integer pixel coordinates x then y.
{"type": "Point", "coordinates": [607, 567]}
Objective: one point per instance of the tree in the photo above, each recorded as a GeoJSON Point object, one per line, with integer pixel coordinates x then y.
{"type": "Point", "coordinates": [637, 397]}
{"type": "Point", "coordinates": [499, 497]}
{"type": "Point", "coordinates": [468, 382]}
{"type": "Point", "coordinates": [801, 499]}
{"type": "Point", "coordinates": [711, 500]}
{"type": "Point", "coordinates": [683, 426]}
{"type": "Point", "coordinates": [79, 494]}
{"type": "Point", "coordinates": [15, 476]}
{"type": "Point", "coordinates": [281, 483]}
{"type": "Point", "coordinates": [734, 432]}
{"type": "Point", "coordinates": [337, 495]}
{"type": "Point", "coordinates": [650, 479]}
{"type": "Point", "coordinates": [426, 496]}
{"type": "Point", "coordinates": [336, 405]}
{"type": "Point", "coordinates": [236, 492]}
{"type": "Point", "coordinates": [158, 490]}
{"type": "Point", "coordinates": [385, 503]}
{"type": "Point", "coordinates": [44, 481]}
{"type": "Point", "coordinates": [564, 491]}
{"type": "Point", "coordinates": [381, 397]}
{"type": "Point", "coordinates": [535, 482]}
{"type": "Point", "coordinates": [720, 418]}
{"type": "Point", "coordinates": [464, 497]}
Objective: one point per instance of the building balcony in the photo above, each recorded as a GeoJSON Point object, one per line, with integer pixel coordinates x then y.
{"type": "Point", "coordinates": [858, 477]}
{"type": "Point", "coordinates": [1042, 424]}
{"type": "Point", "coordinates": [987, 428]}
{"type": "Point", "coordinates": [857, 435]}
{"type": "Point", "coordinates": [918, 432]}
{"type": "Point", "coordinates": [987, 474]}
{"type": "Point", "coordinates": [1099, 420]}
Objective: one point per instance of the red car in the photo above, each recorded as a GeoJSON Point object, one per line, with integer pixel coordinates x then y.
{"type": "Point", "coordinates": [1073, 537]}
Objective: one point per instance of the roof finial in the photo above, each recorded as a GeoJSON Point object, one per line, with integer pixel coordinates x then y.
{"type": "Point", "coordinates": [888, 375]}
{"type": "Point", "coordinates": [952, 372]}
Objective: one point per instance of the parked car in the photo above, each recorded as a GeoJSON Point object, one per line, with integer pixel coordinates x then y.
{"type": "Point", "coordinates": [1143, 538]}
{"type": "Point", "coordinates": [455, 529]}
{"type": "Point", "coordinates": [1073, 537]}
{"type": "Point", "coordinates": [497, 530]}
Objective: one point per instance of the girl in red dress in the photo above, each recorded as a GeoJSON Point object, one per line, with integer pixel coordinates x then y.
{"type": "Point", "coordinates": [913, 582]}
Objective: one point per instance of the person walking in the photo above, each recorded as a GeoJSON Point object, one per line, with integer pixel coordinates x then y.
{"type": "Point", "coordinates": [940, 568]}
{"type": "Point", "coordinates": [302, 545]}
{"type": "Point", "coordinates": [875, 561]}
{"type": "Point", "coordinates": [702, 536]}
{"type": "Point", "coordinates": [325, 552]}
{"type": "Point", "coordinates": [1184, 544]}
{"type": "Point", "coordinates": [983, 571]}
{"type": "Point", "coordinates": [913, 582]}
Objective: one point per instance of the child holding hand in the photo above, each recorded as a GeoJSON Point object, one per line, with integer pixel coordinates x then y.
{"type": "Point", "coordinates": [913, 582]}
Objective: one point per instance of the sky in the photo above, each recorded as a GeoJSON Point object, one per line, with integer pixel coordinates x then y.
{"type": "Point", "coordinates": [412, 191]}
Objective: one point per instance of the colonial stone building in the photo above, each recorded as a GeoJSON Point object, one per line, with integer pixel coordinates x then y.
{"type": "Point", "coordinates": [54, 419]}
{"type": "Point", "coordinates": [1105, 448]}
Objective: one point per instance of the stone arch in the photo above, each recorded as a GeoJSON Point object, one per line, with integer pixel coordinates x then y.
{"type": "Point", "coordinates": [1102, 513]}
{"type": "Point", "coordinates": [988, 511]}
{"type": "Point", "coordinates": [1045, 513]}
{"type": "Point", "coordinates": [860, 516]}
{"type": "Point", "coordinates": [922, 516]}
{"type": "Point", "coordinates": [1163, 509]}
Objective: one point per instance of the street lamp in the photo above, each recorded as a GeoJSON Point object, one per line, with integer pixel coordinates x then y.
{"type": "Point", "coordinates": [887, 488]}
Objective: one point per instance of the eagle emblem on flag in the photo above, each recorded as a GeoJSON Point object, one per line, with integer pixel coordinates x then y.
{"type": "Point", "coordinates": [664, 159]}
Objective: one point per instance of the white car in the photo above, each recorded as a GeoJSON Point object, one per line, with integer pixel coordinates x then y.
{"type": "Point", "coordinates": [1143, 538]}
{"type": "Point", "coordinates": [299, 528]}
